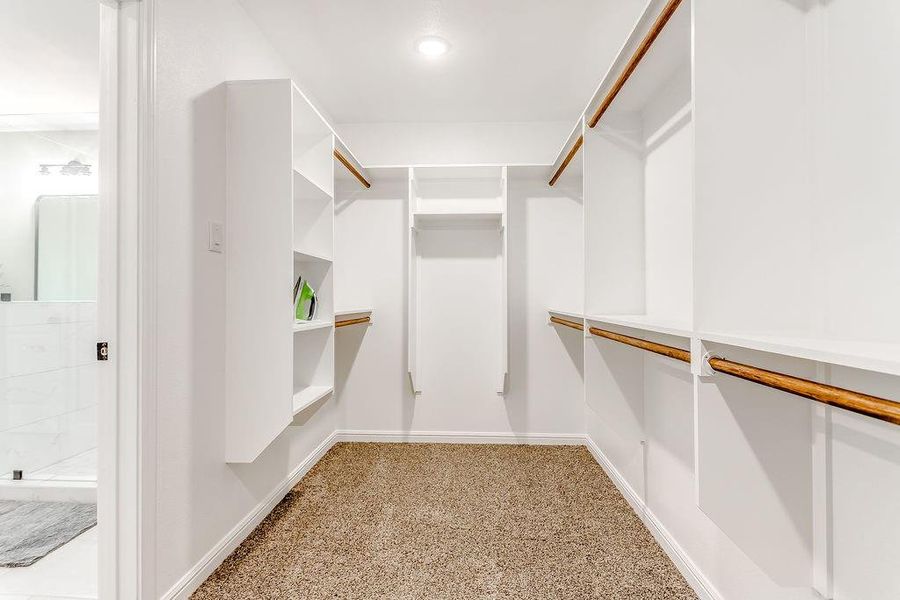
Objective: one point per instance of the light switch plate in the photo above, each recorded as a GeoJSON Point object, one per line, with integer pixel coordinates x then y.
{"type": "Point", "coordinates": [216, 237]}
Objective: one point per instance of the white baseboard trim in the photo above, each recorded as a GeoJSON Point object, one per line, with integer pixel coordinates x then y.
{"type": "Point", "coordinates": [688, 568]}
{"type": "Point", "coordinates": [460, 437]}
{"type": "Point", "coordinates": [203, 569]}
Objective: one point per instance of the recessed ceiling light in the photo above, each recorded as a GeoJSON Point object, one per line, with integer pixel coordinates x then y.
{"type": "Point", "coordinates": [432, 46]}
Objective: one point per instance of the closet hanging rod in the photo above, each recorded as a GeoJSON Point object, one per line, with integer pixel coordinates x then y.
{"type": "Point", "coordinates": [351, 168]}
{"type": "Point", "coordinates": [670, 351]}
{"type": "Point", "coordinates": [567, 323]}
{"type": "Point", "coordinates": [871, 406]}
{"type": "Point", "coordinates": [352, 322]}
{"type": "Point", "coordinates": [635, 59]}
{"type": "Point", "coordinates": [568, 159]}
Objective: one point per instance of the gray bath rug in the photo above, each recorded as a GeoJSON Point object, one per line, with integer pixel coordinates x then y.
{"type": "Point", "coordinates": [30, 531]}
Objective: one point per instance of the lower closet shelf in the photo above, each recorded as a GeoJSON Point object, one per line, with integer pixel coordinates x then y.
{"type": "Point", "coordinates": [355, 316]}
{"type": "Point", "coordinates": [566, 314]}
{"type": "Point", "coordinates": [870, 356]}
{"type": "Point", "coordinates": [310, 325]}
{"type": "Point", "coordinates": [309, 396]}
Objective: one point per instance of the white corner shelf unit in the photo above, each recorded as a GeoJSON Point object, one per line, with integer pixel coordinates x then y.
{"type": "Point", "coordinates": [458, 276]}
{"type": "Point", "coordinates": [279, 226]}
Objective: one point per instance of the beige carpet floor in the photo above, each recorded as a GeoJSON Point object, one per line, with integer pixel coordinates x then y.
{"type": "Point", "coordinates": [442, 522]}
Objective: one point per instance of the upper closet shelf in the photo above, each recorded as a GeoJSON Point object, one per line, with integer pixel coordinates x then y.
{"type": "Point", "coordinates": [458, 220]}
{"type": "Point", "coordinates": [301, 256]}
{"type": "Point", "coordinates": [566, 314]}
{"type": "Point", "coordinates": [670, 56]}
{"type": "Point", "coordinates": [305, 188]}
{"type": "Point", "coordinates": [870, 356]}
{"type": "Point", "coordinates": [645, 323]}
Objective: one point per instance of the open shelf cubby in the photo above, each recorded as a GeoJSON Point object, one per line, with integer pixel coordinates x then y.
{"type": "Point", "coordinates": [313, 368]}
{"type": "Point", "coordinates": [638, 173]}
{"type": "Point", "coordinates": [457, 235]}
{"type": "Point", "coordinates": [313, 219]}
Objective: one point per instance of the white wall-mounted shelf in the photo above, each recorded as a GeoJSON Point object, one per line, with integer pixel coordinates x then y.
{"type": "Point", "coordinates": [300, 326]}
{"type": "Point", "coordinates": [308, 396]}
{"type": "Point", "coordinates": [458, 220]}
{"type": "Point", "coordinates": [645, 323]}
{"type": "Point", "coordinates": [352, 313]}
{"type": "Point", "coordinates": [301, 256]}
{"type": "Point", "coordinates": [280, 211]}
{"type": "Point", "coordinates": [566, 314]}
{"type": "Point", "coordinates": [306, 188]}
{"type": "Point", "coordinates": [342, 317]}
{"type": "Point", "coordinates": [870, 356]}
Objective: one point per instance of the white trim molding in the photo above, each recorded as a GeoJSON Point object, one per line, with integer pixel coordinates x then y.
{"type": "Point", "coordinates": [460, 437]}
{"type": "Point", "coordinates": [127, 104]}
{"type": "Point", "coordinates": [688, 568]}
{"type": "Point", "coordinates": [191, 580]}
{"type": "Point", "coordinates": [127, 434]}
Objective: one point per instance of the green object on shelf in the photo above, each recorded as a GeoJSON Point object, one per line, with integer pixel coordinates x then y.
{"type": "Point", "coordinates": [305, 304]}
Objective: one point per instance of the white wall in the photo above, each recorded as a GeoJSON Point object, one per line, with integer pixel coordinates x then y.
{"type": "Point", "coordinates": [21, 154]}
{"type": "Point", "coordinates": [370, 272]}
{"type": "Point", "coordinates": [545, 270]}
{"type": "Point", "coordinates": [455, 143]}
{"type": "Point", "coordinates": [201, 44]}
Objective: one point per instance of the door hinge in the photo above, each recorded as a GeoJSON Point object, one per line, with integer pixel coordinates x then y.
{"type": "Point", "coordinates": [102, 350]}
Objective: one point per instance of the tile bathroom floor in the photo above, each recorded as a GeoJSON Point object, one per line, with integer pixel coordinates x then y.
{"type": "Point", "coordinates": [67, 573]}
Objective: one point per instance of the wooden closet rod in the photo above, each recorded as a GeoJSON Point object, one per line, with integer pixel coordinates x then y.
{"type": "Point", "coordinates": [871, 406]}
{"type": "Point", "coordinates": [670, 351]}
{"type": "Point", "coordinates": [635, 59]}
{"type": "Point", "coordinates": [568, 159]}
{"type": "Point", "coordinates": [864, 404]}
{"type": "Point", "coordinates": [352, 321]}
{"type": "Point", "coordinates": [567, 323]}
{"type": "Point", "coordinates": [351, 168]}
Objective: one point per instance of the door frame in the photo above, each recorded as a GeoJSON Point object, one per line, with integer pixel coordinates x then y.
{"type": "Point", "coordinates": [126, 494]}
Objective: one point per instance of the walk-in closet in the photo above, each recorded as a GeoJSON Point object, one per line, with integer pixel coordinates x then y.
{"type": "Point", "coordinates": [445, 299]}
